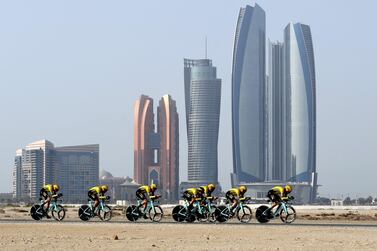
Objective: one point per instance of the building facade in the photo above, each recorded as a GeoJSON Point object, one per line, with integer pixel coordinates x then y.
{"type": "Point", "coordinates": [276, 109]}
{"type": "Point", "coordinates": [168, 129]}
{"type": "Point", "coordinates": [202, 99]}
{"type": "Point", "coordinates": [143, 133]}
{"type": "Point", "coordinates": [300, 81]}
{"type": "Point", "coordinates": [78, 170]}
{"type": "Point", "coordinates": [248, 96]}
{"type": "Point", "coordinates": [74, 168]}
{"type": "Point", "coordinates": [156, 153]}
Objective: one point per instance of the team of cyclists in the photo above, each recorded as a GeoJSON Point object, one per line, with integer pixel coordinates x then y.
{"type": "Point", "coordinates": [146, 193]}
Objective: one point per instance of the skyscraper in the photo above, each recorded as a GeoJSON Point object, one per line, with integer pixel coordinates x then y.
{"type": "Point", "coordinates": [74, 168]}
{"type": "Point", "coordinates": [202, 99]}
{"type": "Point", "coordinates": [168, 129]}
{"type": "Point", "coordinates": [248, 96]}
{"type": "Point", "coordinates": [156, 154]}
{"type": "Point", "coordinates": [143, 132]}
{"type": "Point", "coordinates": [299, 72]}
{"type": "Point", "coordinates": [17, 174]}
{"type": "Point", "coordinates": [276, 103]}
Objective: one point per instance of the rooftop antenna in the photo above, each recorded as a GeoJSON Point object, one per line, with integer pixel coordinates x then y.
{"type": "Point", "coordinates": [206, 47]}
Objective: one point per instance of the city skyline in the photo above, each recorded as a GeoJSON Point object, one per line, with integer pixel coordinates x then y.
{"type": "Point", "coordinates": [90, 82]}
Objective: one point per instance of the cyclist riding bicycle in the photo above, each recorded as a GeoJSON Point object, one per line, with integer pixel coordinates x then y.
{"type": "Point", "coordinates": [49, 192]}
{"type": "Point", "coordinates": [277, 194]}
{"type": "Point", "coordinates": [96, 193]}
{"type": "Point", "coordinates": [192, 195]}
{"type": "Point", "coordinates": [235, 195]}
{"type": "Point", "coordinates": [207, 191]}
{"type": "Point", "coordinates": [146, 193]}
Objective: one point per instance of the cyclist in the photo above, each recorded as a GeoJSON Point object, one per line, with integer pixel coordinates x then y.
{"type": "Point", "coordinates": [96, 193]}
{"type": "Point", "coordinates": [235, 195]}
{"type": "Point", "coordinates": [207, 191]}
{"type": "Point", "coordinates": [277, 194]}
{"type": "Point", "coordinates": [146, 193]}
{"type": "Point", "coordinates": [48, 192]}
{"type": "Point", "coordinates": [191, 195]}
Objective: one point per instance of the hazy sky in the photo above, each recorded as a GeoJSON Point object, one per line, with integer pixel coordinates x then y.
{"type": "Point", "coordinates": [70, 72]}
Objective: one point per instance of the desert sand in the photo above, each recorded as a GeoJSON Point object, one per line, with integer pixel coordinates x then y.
{"type": "Point", "coordinates": [174, 236]}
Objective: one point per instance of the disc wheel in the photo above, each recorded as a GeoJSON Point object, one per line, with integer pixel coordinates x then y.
{"type": "Point", "coordinates": [58, 213]}
{"type": "Point", "coordinates": [261, 218]}
{"type": "Point", "coordinates": [176, 213]}
{"type": "Point", "coordinates": [85, 213]}
{"type": "Point", "coordinates": [288, 216]}
{"type": "Point", "coordinates": [132, 213]}
{"type": "Point", "coordinates": [222, 213]}
{"type": "Point", "coordinates": [105, 213]}
{"type": "Point", "coordinates": [36, 212]}
{"type": "Point", "coordinates": [156, 214]}
{"type": "Point", "coordinates": [244, 214]}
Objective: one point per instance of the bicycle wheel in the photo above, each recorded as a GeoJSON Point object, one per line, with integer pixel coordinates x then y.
{"type": "Point", "coordinates": [36, 212]}
{"type": "Point", "coordinates": [156, 214]}
{"type": "Point", "coordinates": [85, 213]}
{"type": "Point", "coordinates": [132, 213]}
{"type": "Point", "coordinates": [222, 213]}
{"type": "Point", "coordinates": [288, 216]}
{"type": "Point", "coordinates": [58, 213]}
{"type": "Point", "coordinates": [176, 213]}
{"type": "Point", "coordinates": [244, 214]}
{"type": "Point", "coordinates": [105, 213]}
{"type": "Point", "coordinates": [261, 218]}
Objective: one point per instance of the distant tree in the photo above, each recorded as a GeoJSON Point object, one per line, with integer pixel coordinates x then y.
{"type": "Point", "coordinates": [347, 201]}
{"type": "Point", "coordinates": [361, 201]}
{"type": "Point", "coordinates": [368, 201]}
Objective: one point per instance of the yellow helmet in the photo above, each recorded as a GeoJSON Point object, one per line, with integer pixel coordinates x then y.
{"type": "Point", "coordinates": [243, 189]}
{"type": "Point", "coordinates": [288, 188]}
{"type": "Point", "coordinates": [153, 187]}
{"type": "Point", "coordinates": [104, 188]}
{"type": "Point", "coordinates": [55, 187]}
{"type": "Point", "coordinates": [211, 187]}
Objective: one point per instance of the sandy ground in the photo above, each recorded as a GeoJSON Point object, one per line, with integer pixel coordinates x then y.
{"type": "Point", "coordinates": [133, 236]}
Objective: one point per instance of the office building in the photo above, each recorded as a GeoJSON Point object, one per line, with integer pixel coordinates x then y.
{"type": "Point", "coordinates": [276, 103]}
{"type": "Point", "coordinates": [300, 81]}
{"type": "Point", "coordinates": [202, 99]}
{"type": "Point", "coordinates": [74, 168]}
{"type": "Point", "coordinates": [248, 96]}
{"type": "Point", "coordinates": [156, 153]}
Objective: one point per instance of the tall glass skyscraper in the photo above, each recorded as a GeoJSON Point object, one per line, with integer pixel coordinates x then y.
{"type": "Point", "coordinates": [248, 96]}
{"type": "Point", "coordinates": [276, 111]}
{"type": "Point", "coordinates": [301, 103]}
{"type": "Point", "coordinates": [202, 98]}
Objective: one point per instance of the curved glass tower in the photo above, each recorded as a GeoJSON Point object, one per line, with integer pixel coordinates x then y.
{"type": "Point", "coordinates": [301, 104]}
{"type": "Point", "coordinates": [248, 95]}
{"type": "Point", "coordinates": [202, 94]}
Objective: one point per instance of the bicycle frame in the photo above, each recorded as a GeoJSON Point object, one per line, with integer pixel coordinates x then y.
{"type": "Point", "coordinates": [282, 206]}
